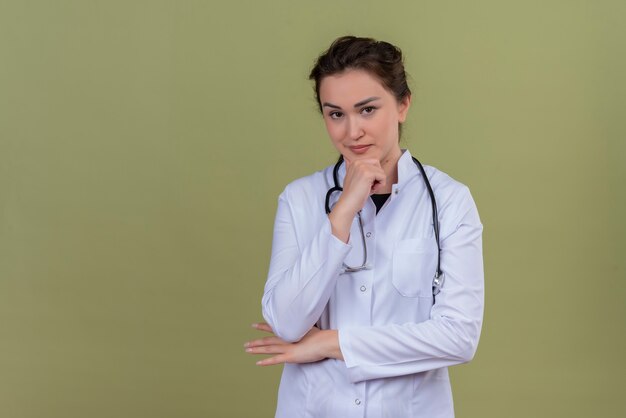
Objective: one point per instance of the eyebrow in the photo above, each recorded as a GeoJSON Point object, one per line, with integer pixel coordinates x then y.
{"type": "Point", "coordinates": [359, 104]}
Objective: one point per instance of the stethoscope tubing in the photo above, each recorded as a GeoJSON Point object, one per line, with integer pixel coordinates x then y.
{"type": "Point", "coordinates": [439, 277]}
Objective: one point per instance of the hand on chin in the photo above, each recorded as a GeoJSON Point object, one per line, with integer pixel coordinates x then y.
{"type": "Point", "coordinates": [349, 156]}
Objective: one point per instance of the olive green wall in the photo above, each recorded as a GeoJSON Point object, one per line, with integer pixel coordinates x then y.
{"type": "Point", "coordinates": [143, 145]}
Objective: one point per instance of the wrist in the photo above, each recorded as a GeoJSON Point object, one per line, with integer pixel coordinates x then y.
{"type": "Point", "coordinates": [341, 221]}
{"type": "Point", "coordinates": [330, 345]}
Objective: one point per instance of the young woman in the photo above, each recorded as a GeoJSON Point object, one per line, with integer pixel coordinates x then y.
{"type": "Point", "coordinates": [376, 276]}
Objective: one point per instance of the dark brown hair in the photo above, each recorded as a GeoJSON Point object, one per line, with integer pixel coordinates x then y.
{"type": "Point", "coordinates": [380, 59]}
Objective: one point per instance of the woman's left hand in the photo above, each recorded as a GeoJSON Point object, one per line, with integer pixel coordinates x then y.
{"type": "Point", "coordinates": [316, 345]}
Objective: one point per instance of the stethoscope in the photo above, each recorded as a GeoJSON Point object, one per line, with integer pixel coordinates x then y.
{"type": "Point", "coordinates": [439, 276]}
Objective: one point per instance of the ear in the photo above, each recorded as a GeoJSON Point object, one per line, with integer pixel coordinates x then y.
{"type": "Point", "coordinates": [403, 108]}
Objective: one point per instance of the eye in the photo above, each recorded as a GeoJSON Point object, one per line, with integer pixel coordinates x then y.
{"type": "Point", "coordinates": [368, 110]}
{"type": "Point", "coordinates": [335, 114]}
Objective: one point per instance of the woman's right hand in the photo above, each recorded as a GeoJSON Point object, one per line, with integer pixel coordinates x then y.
{"type": "Point", "coordinates": [363, 178]}
{"type": "Point", "coordinates": [316, 345]}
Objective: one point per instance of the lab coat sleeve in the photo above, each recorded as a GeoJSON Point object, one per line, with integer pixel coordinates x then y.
{"type": "Point", "coordinates": [301, 276]}
{"type": "Point", "coordinates": [451, 334]}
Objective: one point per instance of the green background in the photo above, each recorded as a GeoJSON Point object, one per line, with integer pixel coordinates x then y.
{"type": "Point", "coordinates": [143, 145]}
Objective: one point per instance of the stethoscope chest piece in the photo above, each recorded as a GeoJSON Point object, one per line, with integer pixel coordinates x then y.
{"type": "Point", "coordinates": [438, 281]}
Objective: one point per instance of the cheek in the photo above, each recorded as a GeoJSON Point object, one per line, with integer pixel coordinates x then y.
{"type": "Point", "coordinates": [391, 125]}
{"type": "Point", "coordinates": [335, 130]}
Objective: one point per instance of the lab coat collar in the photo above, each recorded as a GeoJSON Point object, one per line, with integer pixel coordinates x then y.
{"type": "Point", "coordinates": [406, 168]}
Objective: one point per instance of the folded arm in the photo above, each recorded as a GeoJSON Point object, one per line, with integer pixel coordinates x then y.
{"type": "Point", "coordinates": [451, 334]}
{"type": "Point", "coordinates": [449, 337]}
{"type": "Point", "coordinates": [301, 279]}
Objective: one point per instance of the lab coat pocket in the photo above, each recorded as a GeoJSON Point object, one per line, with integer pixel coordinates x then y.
{"type": "Point", "coordinates": [414, 265]}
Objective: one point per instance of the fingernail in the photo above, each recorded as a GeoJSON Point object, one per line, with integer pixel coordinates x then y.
{"type": "Point", "coordinates": [246, 344]}
{"type": "Point", "coordinates": [255, 325]}
{"type": "Point", "coordinates": [248, 350]}
{"type": "Point", "coordinates": [259, 363]}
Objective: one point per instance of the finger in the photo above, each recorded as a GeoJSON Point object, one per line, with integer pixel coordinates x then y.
{"type": "Point", "coordinates": [368, 169]}
{"type": "Point", "coordinates": [270, 361]}
{"type": "Point", "coordinates": [267, 349]}
{"type": "Point", "coordinates": [264, 341]}
{"type": "Point", "coordinates": [262, 326]}
{"type": "Point", "coordinates": [380, 180]}
{"type": "Point", "coordinates": [367, 161]}
{"type": "Point", "coordinates": [364, 170]}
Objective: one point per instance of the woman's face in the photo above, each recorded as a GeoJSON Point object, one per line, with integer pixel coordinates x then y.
{"type": "Point", "coordinates": [361, 116]}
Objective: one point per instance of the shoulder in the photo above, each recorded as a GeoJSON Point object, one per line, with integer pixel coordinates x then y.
{"type": "Point", "coordinates": [308, 189]}
{"type": "Point", "coordinates": [444, 185]}
{"type": "Point", "coordinates": [446, 188]}
{"type": "Point", "coordinates": [454, 199]}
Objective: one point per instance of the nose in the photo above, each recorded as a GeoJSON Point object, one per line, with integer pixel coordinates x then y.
{"type": "Point", "coordinates": [354, 129]}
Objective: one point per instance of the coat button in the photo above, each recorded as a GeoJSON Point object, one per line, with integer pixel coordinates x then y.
{"type": "Point", "coordinates": [363, 288]}
{"type": "Point", "coordinates": [357, 401]}
{"type": "Point", "coordinates": [369, 234]}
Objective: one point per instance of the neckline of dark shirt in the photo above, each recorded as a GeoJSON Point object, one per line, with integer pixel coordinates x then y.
{"type": "Point", "coordinates": [379, 200]}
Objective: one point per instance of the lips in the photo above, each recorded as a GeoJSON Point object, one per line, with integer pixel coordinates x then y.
{"type": "Point", "coordinates": [359, 149]}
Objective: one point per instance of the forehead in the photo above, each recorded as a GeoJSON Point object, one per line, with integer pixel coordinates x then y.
{"type": "Point", "coordinates": [350, 87]}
